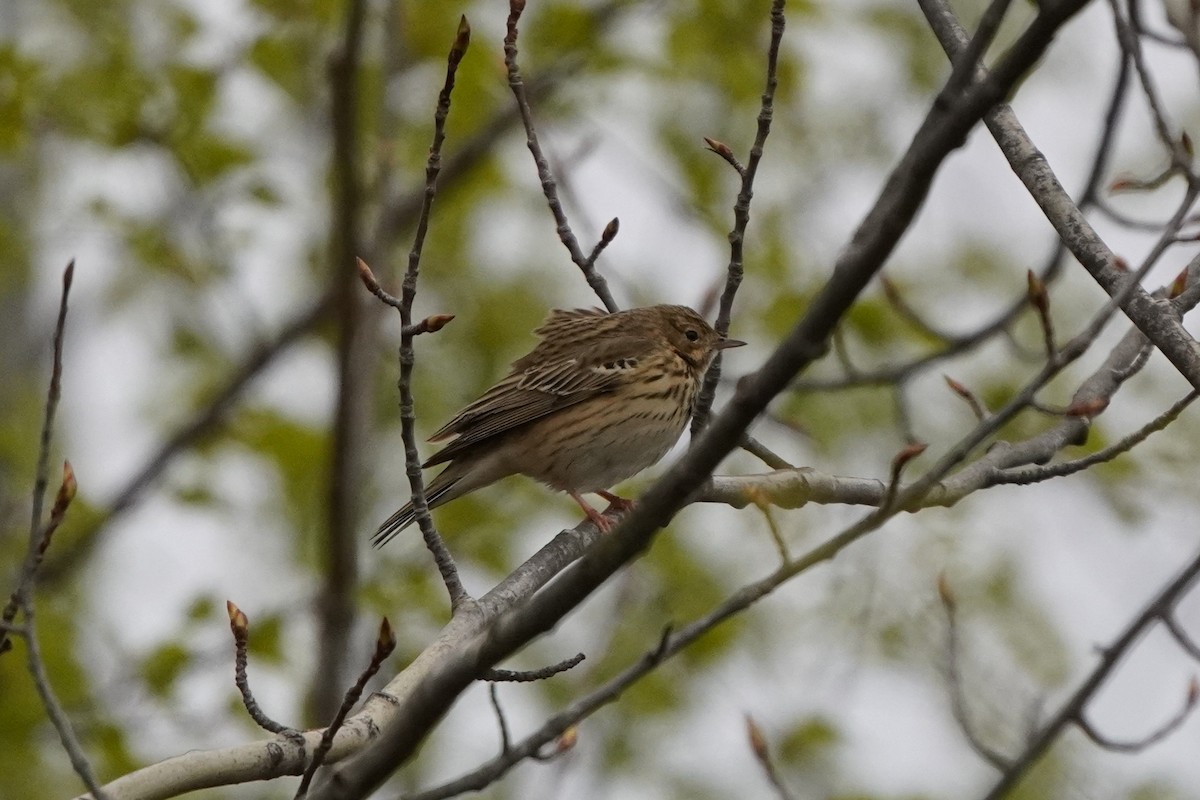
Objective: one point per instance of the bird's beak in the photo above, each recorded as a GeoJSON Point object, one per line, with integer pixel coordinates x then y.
{"type": "Point", "coordinates": [725, 344]}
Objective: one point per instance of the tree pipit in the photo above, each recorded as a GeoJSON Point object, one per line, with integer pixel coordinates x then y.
{"type": "Point", "coordinates": [600, 398]}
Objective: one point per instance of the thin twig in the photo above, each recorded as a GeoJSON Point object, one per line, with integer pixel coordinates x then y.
{"type": "Point", "coordinates": [1154, 737]}
{"type": "Point", "coordinates": [549, 187]}
{"type": "Point", "coordinates": [1160, 607]}
{"type": "Point", "coordinates": [1132, 46]}
{"type": "Point", "coordinates": [765, 454]}
{"type": "Point", "coordinates": [904, 420]}
{"type": "Point", "coordinates": [842, 352]}
{"type": "Point", "coordinates": [239, 624]}
{"type": "Point", "coordinates": [781, 547]}
{"type": "Point", "coordinates": [899, 462]}
{"type": "Point", "coordinates": [741, 215]}
{"type": "Point", "coordinates": [528, 676]}
{"type": "Point", "coordinates": [958, 699]}
{"type": "Point", "coordinates": [1137, 364]}
{"type": "Point", "coordinates": [1181, 636]}
{"type": "Point", "coordinates": [1089, 196]}
{"type": "Point", "coordinates": [385, 643]}
{"type": "Point", "coordinates": [62, 724]}
{"type": "Point", "coordinates": [23, 594]}
{"type": "Point", "coordinates": [967, 395]}
{"type": "Point", "coordinates": [431, 324]}
{"type": "Point", "coordinates": [966, 62]}
{"type": "Point", "coordinates": [906, 312]}
{"type": "Point", "coordinates": [39, 540]}
{"type": "Point", "coordinates": [1039, 298]}
{"type": "Point", "coordinates": [433, 540]}
{"type": "Point", "coordinates": [558, 727]}
{"type": "Point", "coordinates": [505, 741]}
{"type": "Point", "coordinates": [53, 394]}
{"type": "Point", "coordinates": [1028, 475]}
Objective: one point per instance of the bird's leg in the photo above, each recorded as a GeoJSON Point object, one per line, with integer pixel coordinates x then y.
{"type": "Point", "coordinates": [602, 522]}
{"type": "Point", "coordinates": [616, 502]}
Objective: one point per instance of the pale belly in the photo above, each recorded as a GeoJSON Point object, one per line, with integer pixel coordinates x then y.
{"type": "Point", "coordinates": [601, 456]}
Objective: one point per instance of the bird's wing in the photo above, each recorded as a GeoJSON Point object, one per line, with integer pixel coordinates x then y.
{"type": "Point", "coordinates": [575, 325]}
{"type": "Point", "coordinates": [531, 393]}
{"type": "Point", "coordinates": [562, 320]}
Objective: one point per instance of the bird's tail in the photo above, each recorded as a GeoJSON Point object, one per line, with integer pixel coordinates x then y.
{"type": "Point", "coordinates": [439, 490]}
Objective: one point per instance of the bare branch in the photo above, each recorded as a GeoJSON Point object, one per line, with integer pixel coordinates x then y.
{"type": "Point", "coordinates": [764, 454]}
{"type": "Point", "coordinates": [549, 187]}
{"type": "Point", "coordinates": [741, 216]}
{"type": "Point", "coordinates": [1040, 300]}
{"type": "Point", "coordinates": [528, 676]}
{"type": "Point", "coordinates": [1071, 711]}
{"type": "Point", "coordinates": [53, 394]}
{"type": "Point", "coordinates": [433, 540]}
{"type": "Point", "coordinates": [23, 594]}
{"type": "Point", "coordinates": [968, 61]}
{"type": "Point", "coordinates": [898, 464]}
{"type": "Point", "coordinates": [505, 741]}
{"type": "Point", "coordinates": [431, 324]}
{"type": "Point", "coordinates": [39, 540]}
{"type": "Point", "coordinates": [1131, 44]}
{"type": "Point", "coordinates": [560, 727]}
{"type": "Point", "coordinates": [909, 314]}
{"type": "Point", "coordinates": [958, 699]}
{"type": "Point", "coordinates": [385, 643]}
{"type": "Point", "coordinates": [240, 625]}
{"type": "Point", "coordinates": [1036, 474]}
{"type": "Point", "coordinates": [1167, 333]}
{"type": "Point", "coordinates": [1136, 746]}
{"type": "Point", "coordinates": [1181, 636]}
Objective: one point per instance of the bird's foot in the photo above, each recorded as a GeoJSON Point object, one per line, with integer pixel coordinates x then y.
{"type": "Point", "coordinates": [604, 523]}
{"type": "Point", "coordinates": [616, 503]}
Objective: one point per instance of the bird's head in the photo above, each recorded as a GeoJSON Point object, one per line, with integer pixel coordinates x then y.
{"type": "Point", "coordinates": [689, 335]}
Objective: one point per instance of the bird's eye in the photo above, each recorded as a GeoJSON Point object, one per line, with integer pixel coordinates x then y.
{"type": "Point", "coordinates": [692, 334]}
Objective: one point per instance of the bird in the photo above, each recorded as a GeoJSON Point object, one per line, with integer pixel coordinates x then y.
{"type": "Point", "coordinates": [602, 396]}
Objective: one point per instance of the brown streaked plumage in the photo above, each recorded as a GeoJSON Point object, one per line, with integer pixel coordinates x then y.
{"type": "Point", "coordinates": [600, 398]}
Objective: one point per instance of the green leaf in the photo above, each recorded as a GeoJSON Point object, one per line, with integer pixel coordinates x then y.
{"type": "Point", "coordinates": [266, 639]}
{"type": "Point", "coordinates": [810, 741]}
{"type": "Point", "coordinates": [201, 609]}
{"type": "Point", "coordinates": [299, 454]}
{"type": "Point", "coordinates": [287, 62]}
{"type": "Point", "coordinates": [163, 667]}
{"type": "Point", "coordinates": [206, 157]}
